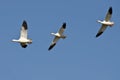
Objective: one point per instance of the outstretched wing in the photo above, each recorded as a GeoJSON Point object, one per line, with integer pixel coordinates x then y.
{"type": "Point", "coordinates": [101, 30]}
{"type": "Point", "coordinates": [61, 30]}
{"type": "Point", "coordinates": [53, 43]}
{"type": "Point", "coordinates": [109, 14]}
{"type": "Point", "coordinates": [51, 46]}
{"type": "Point", "coordinates": [24, 45]}
{"type": "Point", "coordinates": [24, 28]}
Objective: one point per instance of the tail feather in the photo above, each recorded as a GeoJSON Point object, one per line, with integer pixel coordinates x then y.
{"type": "Point", "coordinates": [63, 37]}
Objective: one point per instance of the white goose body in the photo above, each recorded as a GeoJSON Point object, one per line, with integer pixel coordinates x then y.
{"type": "Point", "coordinates": [58, 35]}
{"type": "Point", "coordinates": [105, 23]}
{"type": "Point", "coordinates": [23, 40]}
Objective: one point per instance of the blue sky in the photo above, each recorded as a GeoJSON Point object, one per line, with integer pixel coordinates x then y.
{"type": "Point", "coordinates": [80, 56]}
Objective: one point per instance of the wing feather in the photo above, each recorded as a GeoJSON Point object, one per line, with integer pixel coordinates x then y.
{"type": "Point", "coordinates": [53, 43]}
{"type": "Point", "coordinates": [24, 30]}
{"type": "Point", "coordinates": [61, 30]}
{"type": "Point", "coordinates": [24, 45]}
{"type": "Point", "coordinates": [109, 14]}
{"type": "Point", "coordinates": [101, 30]}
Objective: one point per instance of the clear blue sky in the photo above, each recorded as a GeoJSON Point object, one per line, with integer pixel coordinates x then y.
{"type": "Point", "coordinates": [80, 56]}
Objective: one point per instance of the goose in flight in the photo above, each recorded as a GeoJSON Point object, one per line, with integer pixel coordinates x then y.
{"type": "Point", "coordinates": [23, 40]}
{"type": "Point", "coordinates": [58, 35]}
{"type": "Point", "coordinates": [105, 23]}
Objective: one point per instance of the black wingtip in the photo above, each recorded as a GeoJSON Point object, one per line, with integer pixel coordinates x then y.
{"type": "Point", "coordinates": [64, 25]}
{"type": "Point", "coordinates": [51, 46]}
{"type": "Point", "coordinates": [99, 34]}
{"type": "Point", "coordinates": [110, 10]}
{"type": "Point", "coordinates": [24, 24]}
{"type": "Point", "coordinates": [24, 46]}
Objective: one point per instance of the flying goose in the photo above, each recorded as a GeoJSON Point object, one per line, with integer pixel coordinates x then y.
{"type": "Point", "coordinates": [58, 35]}
{"type": "Point", "coordinates": [23, 40]}
{"type": "Point", "coordinates": [105, 23]}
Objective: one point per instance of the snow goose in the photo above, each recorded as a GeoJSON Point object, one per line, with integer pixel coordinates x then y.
{"type": "Point", "coordinates": [58, 35]}
{"type": "Point", "coordinates": [105, 23]}
{"type": "Point", "coordinates": [23, 40]}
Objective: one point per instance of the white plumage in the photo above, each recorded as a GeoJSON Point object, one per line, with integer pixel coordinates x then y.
{"type": "Point", "coordinates": [58, 35]}
{"type": "Point", "coordinates": [23, 40]}
{"type": "Point", "coordinates": [105, 23]}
